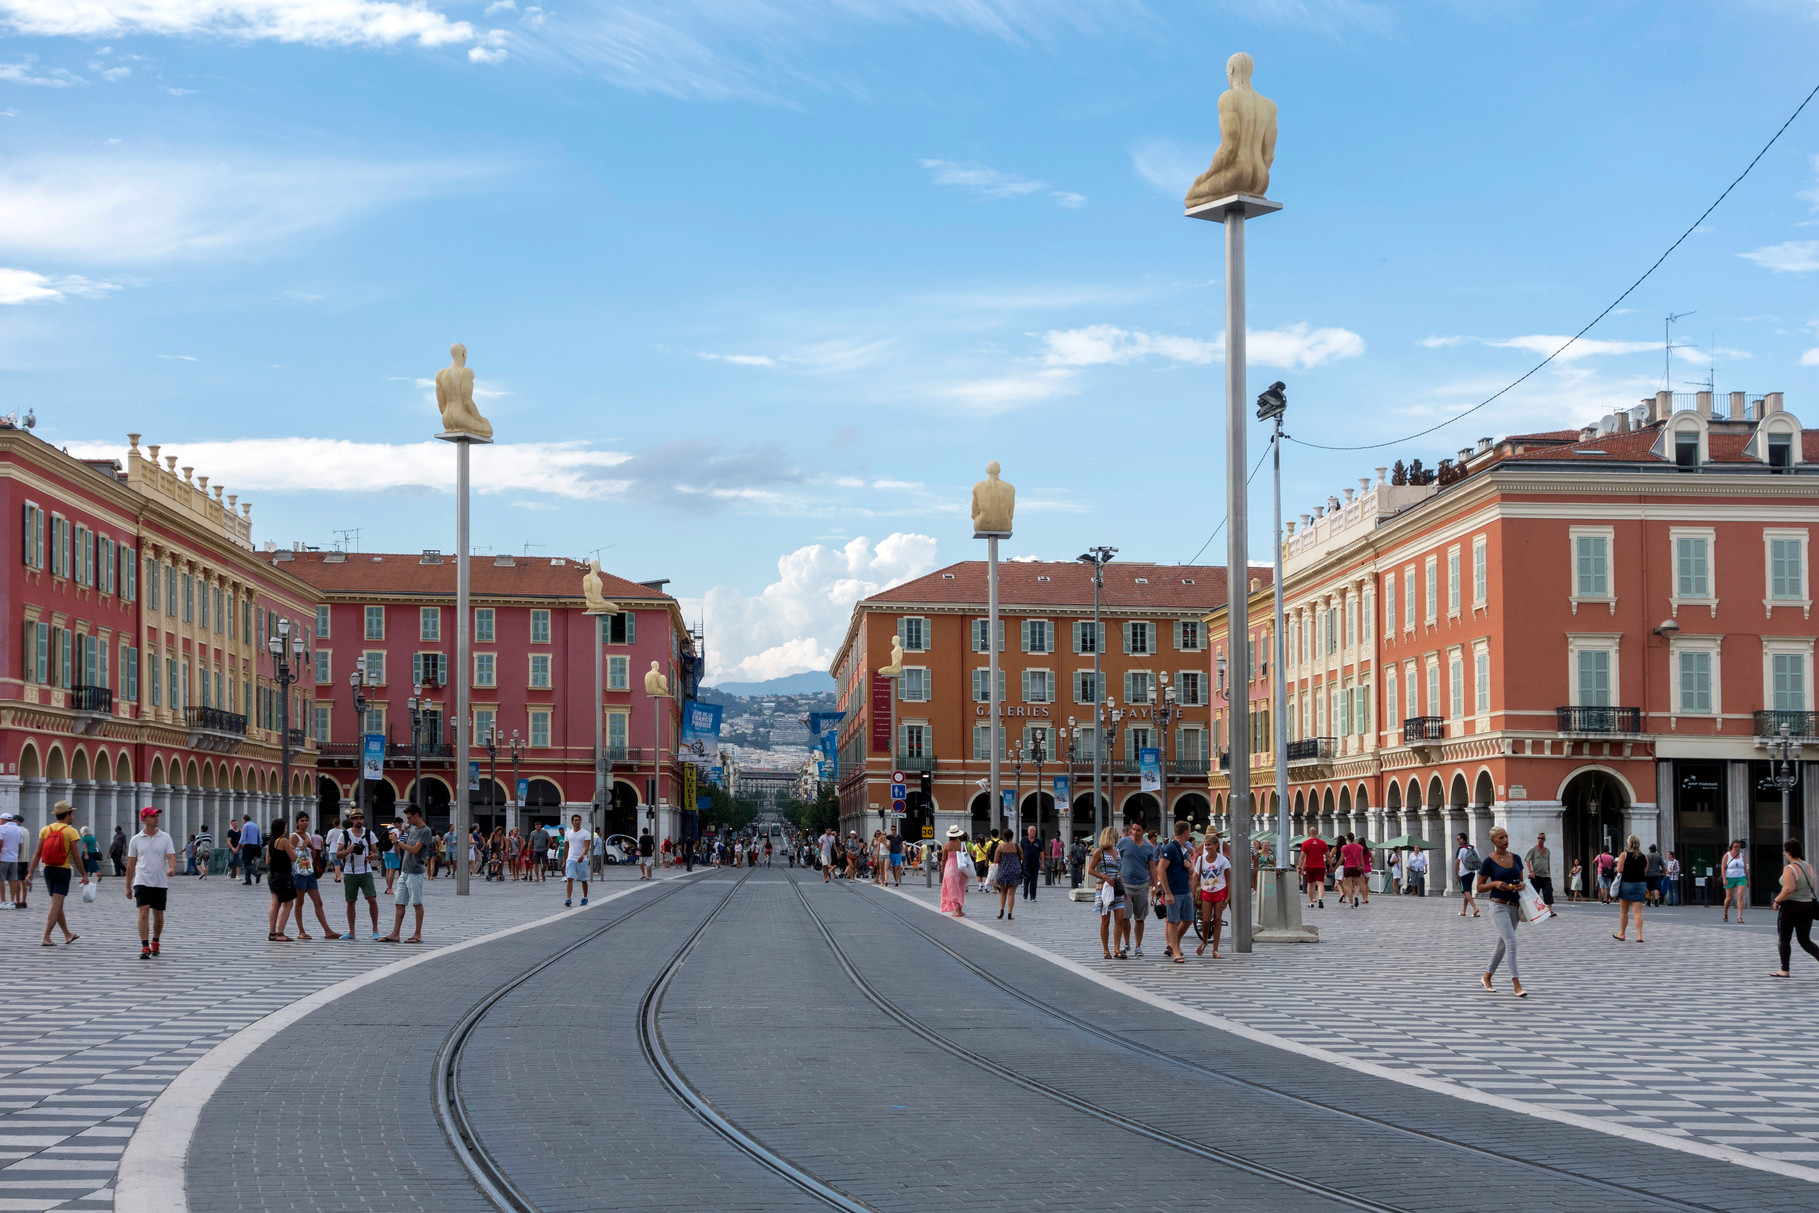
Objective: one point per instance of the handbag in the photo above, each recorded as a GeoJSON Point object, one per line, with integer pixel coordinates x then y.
{"type": "Point", "coordinates": [965, 863]}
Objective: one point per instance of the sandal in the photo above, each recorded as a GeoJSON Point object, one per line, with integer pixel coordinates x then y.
{"type": "Point", "coordinates": [1619, 937]}
{"type": "Point", "coordinates": [1180, 960]}
{"type": "Point", "coordinates": [1780, 973]}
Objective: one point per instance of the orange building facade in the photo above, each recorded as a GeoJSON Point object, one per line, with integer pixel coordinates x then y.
{"type": "Point", "coordinates": [1152, 660]}
{"type": "Point", "coordinates": [1585, 633]}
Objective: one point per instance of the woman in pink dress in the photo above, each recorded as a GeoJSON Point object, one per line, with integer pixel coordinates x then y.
{"type": "Point", "coordinates": [953, 880]}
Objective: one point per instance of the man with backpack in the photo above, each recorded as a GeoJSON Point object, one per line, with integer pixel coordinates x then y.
{"type": "Point", "coordinates": [57, 845]}
{"type": "Point", "coordinates": [353, 851]}
{"type": "Point", "coordinates": [205, 851]}
{"type": "Point", "coordinates": [1469, 863]}
{"type": "Point", "coordinates": [1606, 867]}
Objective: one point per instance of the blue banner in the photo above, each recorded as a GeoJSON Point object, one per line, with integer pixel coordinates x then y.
{"type": "Point", "coordinates": [822, 722]}
{"type": "Point", "coordinates": [372, 756]}
{"type": "Point", "coordinates": [700, 740]}
{"type": "Point", "coordinates": [1149, 769]}
{"type": "Point", "coordinates": [830, 745]}
{"type": "Point", "coordinates": [716, 775]}
{"type": "Point", "coordinates": [473, 776]}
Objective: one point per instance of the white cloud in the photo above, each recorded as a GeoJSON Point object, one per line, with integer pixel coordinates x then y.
{"type": "Point", "coordinates": [1435, 343]}
{"type": "Point", "coordinates": [1585, 347]}
{"type": "Point", "coordinates": [1793, 257]}
{"type": "Point", "coordinates": [481, 54]}
{"type": "Point", "coordinates": [1298, 346]}
{"type": "Point", "coordinates": [981, 180]}
{"type": "Point", "coordinates": [741, 359]}
{"type": "Point", "coordinates": [1170, 166]}
{"type": "Point", "coordinates": [1810, 358]}
{"type": "Point", "coordinates": [25, 72]}
{"type": "Point", "coordinates": [1010, 391]}
{"type": "Point", "coordinates": [797, 622]}
{"type": "Point", "coordinates": [179, 358]}
{"type": "Point", "coordinates": [1069, 200]}
{"type": "Point", "coordinates": [501, 6]}
{"type": "Point", "coordinates": [28, 286]}
{"type": "Point", "coordinates": [300, 465]}
{"type": "Point", "coordinates": [118, 208]}
{"type": "Point", "coordinates": [334, 23]}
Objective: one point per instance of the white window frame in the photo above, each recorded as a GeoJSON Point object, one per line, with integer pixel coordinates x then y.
{"type": "Point", "coordinates": [1389, 698]}
{"type": "Point", "coordinates": [1433, 687]}
{"type": "Point", "coordinates": [492, 666]}
{"type": "Point", "coordinates": [1150, 687]}
{"type": "Point", "coordinates": [1408, 598]}
{"type": "Point", "coordinates": [1769, 601]}
{"type": "Point", "coordinates": [1199, 682]}
{"type": "Point", "coordinates": [926, 637]}
{"type": "Point", "coordinates": [1798, 646]}
{"type": "Point", "coordinates": [1026, 636]}
{"type": "Point", "coordinates": [1609, 535]}
{"type": "Point", "coordinates": [1609, 642]}
{"type": "Point", "coordinates": [1481, 571]}
{"type": "Point", "coordinates": [1367, 611]}
{"type": "Point", "coordinates": [540, 616]}
{"type": "Point", "coordinates": [492, 625]}
{"type": "Point", "coordinates": [1430, 608]}
{"type": "Point", "coordinates": [1710, 598]}
{"type": "Point", "coordinates": [1389, 606]}
{"type": "Point", "coordinates": [1149, 648]}
{"type": "Point", "coordinates": [323, 616]}
{"type": "Point", "coordinates": [1048, 683]}
{"type": "Point", "coordinates": [1455, 683]}
{"type": "Point", "coordinates": [1713, 646]}
{"type": "Point", "coordinates": [535, 715]}
{"type": "Point", "coordinates": [1455, 593]}
{"type": "Point", "coordinates": [1481, 683]}
{"type": "Point", "coordinates": [618, 673]}
{"type": "Point", "coordinates": [925, 686]}
{"type": "Point", "coordinates": [1075, 688]}
{"type": "Point", "coordinates": [367, 618]}
{"type": "Point", "coordinates": [1411, 686]}
{"type": "Point", "coordinates": [548, 674]}
{"type": "Point", "coordinates": [429, 623]}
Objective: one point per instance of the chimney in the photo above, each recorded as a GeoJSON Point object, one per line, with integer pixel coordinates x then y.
{"type": "Point", "coordinates": [1740, 409]}
{"type": "Point", "coordinates": [1664, 406]}
{"type": "Point", "coordinates": [1771, 403]}
{"type": "Point", "coordinates": [1465, 452]}
{"type": "Point", "coordinates": [1484, 444]}
{"type": "Point", "coordinates": [1623, 422]}
{"type": "Point", "coordinates": [1705, 403]}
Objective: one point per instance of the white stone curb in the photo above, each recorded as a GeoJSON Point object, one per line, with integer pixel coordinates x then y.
{"type": "Point", "coordinates": [1742, 1158]}
{"type": "Point", "coordinates": [153, 1169]}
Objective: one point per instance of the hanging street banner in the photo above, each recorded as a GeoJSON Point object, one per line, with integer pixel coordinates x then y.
{"type": "Point", "coordinates": [822, 722]}
{"type": "Point", "coordinates": [830, 746]}
{"type": "Point", "coordinates": [716, 775]}
{"type": "Point", "coordinates": [372, 756]}
{"type": "Point", "coordinates": [1149, 769]}
{"type": "Point", "coordinates": [524, 790]}
{"type": "Point", "coordinates": [700, 741]}
{"type": "Point", "coordinates": [473, 775]}
{"type": "Point", "coordinates": [1061, 797]}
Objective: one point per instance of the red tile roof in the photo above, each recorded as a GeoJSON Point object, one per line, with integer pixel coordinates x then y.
{"type": "Point", "coordinates": [404, 573]}
{"type": "Point", "coordinates": [1128, 586]}
{"type": "Point", "coordinates": [1637, 446]}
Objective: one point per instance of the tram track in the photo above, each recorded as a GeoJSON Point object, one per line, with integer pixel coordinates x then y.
{"type": "Point", "coordinates": [1082, 1024]}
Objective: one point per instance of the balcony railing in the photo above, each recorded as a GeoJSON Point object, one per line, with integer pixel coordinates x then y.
{"type": "Point", "coordinates": [331, 750]}
{"type": "Point", "coordinates": [298, 738]}
{"type": "Point", "coordinates": [1311, 750]}
{"type": "Point", "coordinates": [1423, 728]}
{"type": "Point", "coordinates": [1189, 766]}
{"type": "Point", "coordinates": [91, 699]}
{"type": "Point", "coordinates": [216, 720]}
{"type": "Point", "coordinates": [1599, 720]}
{"type": "Point", "coordinates": [925, 763]}
{"type": "Point", "coordinates": [1799, 724]}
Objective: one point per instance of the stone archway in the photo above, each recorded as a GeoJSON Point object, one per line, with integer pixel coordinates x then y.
{"type": "Point", "coordinates": [1142, 807]}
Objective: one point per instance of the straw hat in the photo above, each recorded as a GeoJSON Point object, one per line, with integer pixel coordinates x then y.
{"type": "Point", "coordinates": [953, 831]}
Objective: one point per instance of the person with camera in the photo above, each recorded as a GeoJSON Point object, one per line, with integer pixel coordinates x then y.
{"type": "Point", "coordinates": [353, 850]}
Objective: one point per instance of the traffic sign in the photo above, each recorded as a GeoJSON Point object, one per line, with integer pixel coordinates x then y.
{"type": "Point", "coordinates": [896, 776]}
{"type": "Point", "coordinates": [897, 804]}
{"type": "Point", "coordinates": [899, 791]}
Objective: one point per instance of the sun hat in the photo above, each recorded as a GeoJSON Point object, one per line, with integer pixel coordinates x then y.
{"type": "Point", "coordinates": [62, 808]}
{"type": "Point", "coordinates": [953, 831]}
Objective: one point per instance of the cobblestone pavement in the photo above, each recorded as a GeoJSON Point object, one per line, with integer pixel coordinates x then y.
{"type": "Point", "coordinates": [1684, 1035]}
{"type": "Point", "coordinates": [90, 1034]}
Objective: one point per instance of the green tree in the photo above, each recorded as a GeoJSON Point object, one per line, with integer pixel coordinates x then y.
{"type": "Point", "coordinates": [726, 812]}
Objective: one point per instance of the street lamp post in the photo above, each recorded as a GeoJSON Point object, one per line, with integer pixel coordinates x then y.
{"type": "Point", "coordinates": [1219, 674]}
{"type": "Point", "coordinates": [284, 647]}
{"type": "Point", "coordinates": [1109, 716]}
{"type": "Point", "coordinates": [1070, 735]}
{"type": "Point", "coordinates": [1785, 750]}
{"type": "Point", "coordinates": [1015, 816]}
{"type": "Point", "coordinates": [1165, 713]}
{"type": "Point", "coordinates": [492, 762]}
{"type": "Point", "coordinates": [1098, 557]}
{"type": "Point", "coordinates": [356, 683]}
{"type": "Point", "coordinates": [517, 747]}
{"type": "Point", "coordinates": [416, 706]}
{"type": "Point", "coordinates": [1271, 406]}
{"type": "Point", "coordinates": [1038, 753]}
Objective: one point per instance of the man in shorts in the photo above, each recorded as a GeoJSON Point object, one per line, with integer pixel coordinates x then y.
{"type": "Point", "coordinates": [353, 850]}
{"type": "Point", "coordinates": [12, 860]}
{"type": "Point", "coordinates": [896, 854]}
{"type": "Point", "coordinates": [65, 847]}
{"type": "Point", "coordinates": [646, 847]}
{"type": "Point", "coordinates": [413, 845]}
{"type": "Point", "coordinates": [1136, 869]}
{"type": "Point", "coordinates": [826, 847]}
{"type": "Point", "coordinates": [151, 861]}
{"type": "Point", "coordinates": [1313, 870]}
{"type": "Point", "coordinates": [580, 842]}
{"type": "Point", "coordinates": [1174, 863]}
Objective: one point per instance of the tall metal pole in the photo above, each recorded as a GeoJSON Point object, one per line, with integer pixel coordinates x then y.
{"type": "Point", "coordinates": [991, 647]}
{"type": "Point", "coordinates": [1236, 578]}
{"type": "Point", "coordinates": [1099, 741]}
{"type": "Point", "coordinates": [599, 625]}
{"type": "Point", "coordinates": [1279, 692]}
{"type": "Point", "coordinates": [463, 672]}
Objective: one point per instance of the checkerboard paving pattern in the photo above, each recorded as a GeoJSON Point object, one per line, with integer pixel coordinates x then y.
{"type": "Point", "coordinates": [1685, 1035]}
{"type": "Point", "coordinates": [90, 1034]}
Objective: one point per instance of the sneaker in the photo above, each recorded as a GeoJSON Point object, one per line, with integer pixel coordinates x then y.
{"type": "Point", "coordinates": [1354, 903]}
{"type": "Point", "coordinates": [145, 952]}
{"type": "Point", "coordinates": [584, 901]}
{"type": "Point", "coordinates": [154, 947]}
{"type": "Point", "coordinates": [1321, 903]}
{"type": "Point", "coordinates": [566, 902]}
{"type": "Point", "coordinates": [1139, 951]}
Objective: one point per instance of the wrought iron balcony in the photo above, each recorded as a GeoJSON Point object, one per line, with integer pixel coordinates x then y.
{"type": "Point", "coordinates": [91, 699]}
{"type": "Point", "coordinates": [927, 763]}
{"type": "Point", "coordinates": [1311, 750]}
{"type": "Point", "coordinates": [1801, 726]}
{"type": "Point", "coordinates": [1599, 720]}
{"type": "Point", "coordinates": [1189, 766]}
{"type": "Point", "coordinates": [1417, 729]}
{"type": "Point", "coordinates": [331, 751]}
{"type": "Point", "coordinates": [216, 720]}
{"type": "Point", "coordinates": [298, 739]}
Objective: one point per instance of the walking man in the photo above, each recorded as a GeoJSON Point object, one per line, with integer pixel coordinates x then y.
{"type": "Point", "coordinates": [353, 849]}
{"type": "Point", "coordinates": [250, 842]}
{"type": "Point", "coordinates": [579, 843]}
{"type": "Point", "coordinates": [1313, 869]}
{"type": "Point", "coordinates": [827, 855]}
{"type": "Point", "coordinates": [646, 847]}
{"type": "Point", "coordinates": [116, 851]}
{"type": "Point", "coordinates": [151, 861]}
{"type": "Point", "coordinates": [1032, 862]}
{"type": "Point", "coordinates": [1540, 864]}
{"type": "Point", "coordinates": [12, 860]}
{"type": "Point", "coordinates": [413, 849]}
{"type": "Point", "coordinates": [58, 845]}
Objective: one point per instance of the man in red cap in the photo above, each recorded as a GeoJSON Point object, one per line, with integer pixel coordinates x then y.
{"type": "Point", "coordinates": [151, 861]}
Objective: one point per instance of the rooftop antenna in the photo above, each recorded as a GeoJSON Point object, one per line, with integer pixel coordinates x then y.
{"type": "Point", "coordinates": [1667, 353]}
{"type": "Point", "coordinates": [528, 545]}
{"type": "Point", "coordinates": [348, 540]}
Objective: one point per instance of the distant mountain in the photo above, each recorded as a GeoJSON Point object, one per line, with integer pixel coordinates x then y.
{"type": "Point", "coordinates": [813, 682]}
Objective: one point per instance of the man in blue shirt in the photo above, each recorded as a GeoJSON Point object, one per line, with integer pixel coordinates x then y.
{"type": "Point", "coordinates": [1136, 869]}
{"type": "Point", "coordinates": [1174, 862]}
{"type": "Point", "coordinates": [250, 842]}
{"type": "Point", "coordinates": [1032, 862]}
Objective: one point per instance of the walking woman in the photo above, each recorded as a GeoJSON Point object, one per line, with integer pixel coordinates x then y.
{"type": "Point", "coordinates": [1632, 887]}
{"type": "Point", "coordinates": [1736, 879]}
{"type": "Point", "coordinates": [1009, 869]}
{"type": "Point", "coordinates": [1796, 904]}
{"type": "Point", "coordinates": [279, 853]}
{"type": "Point", "coordinates": [1500, 879]}
{"type": "Point", "coordinates": [953, 876]}
{"type": "Point", "coordinates": [1108, 895]}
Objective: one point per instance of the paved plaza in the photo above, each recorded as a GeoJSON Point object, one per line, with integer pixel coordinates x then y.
{"type": "Point", "coordinates": [1684, 1036]}
{"type": "Point", "coordinates": [91, 1034]}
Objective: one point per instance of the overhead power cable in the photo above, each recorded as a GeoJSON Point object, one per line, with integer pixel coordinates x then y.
{"type": "Point", "coordinates": [1371, 446]}
{"type": "Point", "coordinates": [1222, 521]}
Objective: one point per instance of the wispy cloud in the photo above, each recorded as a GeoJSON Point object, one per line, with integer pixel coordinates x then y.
{"type": "Point", "coordinates": [341, 23]}
{"type": "Point", "coordinates": [28, 286]}
{"type": "Point", "coordinates": [1298, 346]}
{"type": "Point", "coordinates": [740, 359]}
{"type": "Point", "coordinates": [1585, 347]}
{"type": "Point", "coordinates": [1810, 358]}
{"type": "Point", "coordinates": [26, 71]}
{"type": "Point", "coordinates": [990, 183]}
{"type": "Point", "coordinates": [1010, 391]}
{"type": "Point", "coordinates": [1792, 257]}
{"type": "Point", "coordinates": [1170, 166]}
{"type": "Point", "coordinates": [118, 208]}
{"type": "Point", "coordinates": [179, 358]}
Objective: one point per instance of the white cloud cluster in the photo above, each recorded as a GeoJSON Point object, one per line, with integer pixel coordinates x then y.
{"type": "Point", "coordinates": [796, 623]}
{"type": "Point", "coordinates": [29, 286]}
{"type": "Point", "coordinates": [1791, 257]}
{"type": "Point", "coordinates": [990, 183]}
{"type": "Point", "coordinates": [1297, 347]}
{"type": "Point", "coordinates": [323, 22]}
{"type": "Point", "coordinates": [26, 71]}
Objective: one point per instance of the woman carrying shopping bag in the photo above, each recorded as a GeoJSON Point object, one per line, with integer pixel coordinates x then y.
{"type": "Point", "coordinates": [1500, 879]}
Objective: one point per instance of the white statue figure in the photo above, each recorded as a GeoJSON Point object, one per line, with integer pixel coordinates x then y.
{"type": "Point", "coordinates": [896, 666]}
{"type": "Point", "coordinates": [1247, 140]}
{"type": "Point", "coordinates": [655, 684]}
{"type": "Point", "coordinates": [590, 589]}
{"type": "Point", "coordinates": [455, 397]}
{"type": "Point", "coordinates": [994, 501]}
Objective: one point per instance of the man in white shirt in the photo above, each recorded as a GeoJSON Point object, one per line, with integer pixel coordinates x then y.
{"type": "Point", "coordinates": [1417, 874]}
{"type": "Point", "coordinates": [151, 861]}
{"type": "Point", "coordinates": [353, 851]}
{"type": "Point", "coordinates": [12, 860]}
{"type": "Point", "coordinates": [580, 842]}
{"type": "Point", "coordinates": [827, 855]}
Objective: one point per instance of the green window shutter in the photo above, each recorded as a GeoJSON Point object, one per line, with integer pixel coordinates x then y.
{"type": "Point", "coordinates": [1177, 631]}
{"type": "Point", "coordinates": [1023, 635]}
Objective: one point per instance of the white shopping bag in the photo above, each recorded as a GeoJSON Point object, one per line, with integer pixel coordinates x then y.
{"type": "Point", "coordinates": [1534, 907]}
{"type": "Point", "coordinates": [88, 891]}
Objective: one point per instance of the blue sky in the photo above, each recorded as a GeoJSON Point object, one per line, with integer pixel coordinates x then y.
{"type": "Point", "coordinates": [754, 290]}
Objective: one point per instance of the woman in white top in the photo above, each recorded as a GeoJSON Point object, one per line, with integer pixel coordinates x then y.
{"type": "Point", "coordinates": [1736, 872]}
{"type": "Point", "coordinates": [1210, 893]}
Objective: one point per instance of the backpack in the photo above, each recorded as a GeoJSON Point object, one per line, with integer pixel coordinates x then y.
{"type": "Point", "coordinates": [384, 840]}
{"type": "Point", "coordinates": [55, 853]}
{"type": "Point", "coordinates": [1471, 860]}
